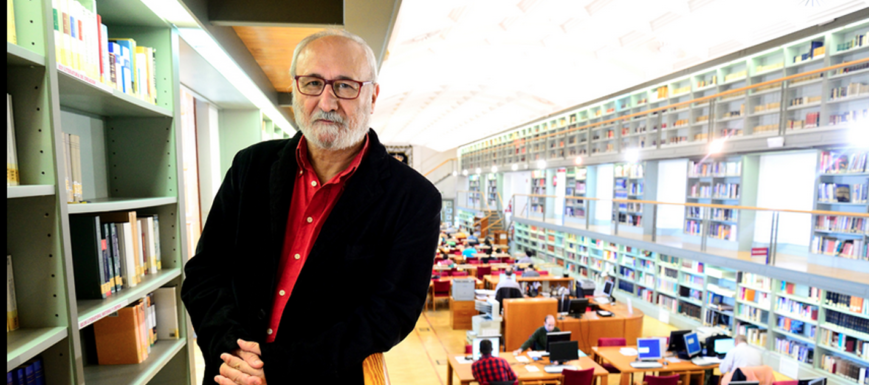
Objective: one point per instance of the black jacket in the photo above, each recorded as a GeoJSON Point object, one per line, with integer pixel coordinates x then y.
{"type": "Point", "coordinates": [363, 285]}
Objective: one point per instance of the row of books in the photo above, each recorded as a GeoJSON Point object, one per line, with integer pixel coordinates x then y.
{"type": "Point", "coordinates": [841, 342]}
{"type": "Point", "coordinates": [815, 50]}
{"type": "Point", "coordinates": [847, 368]}
{"type": "Point", "coordinates": [797, 308]}
{"type": "Point", "coordinates": [842, 224]}
{"type": "Point", "coordinates": [851, 303]}
{"type": "Point", "coordinates": [849, 116]}
{"type": "Point", "coordinates": [833, 162]}
{"type": "Point", "coordinates": [12, 322]}
{"type": "Point", "coordinates": [631, 170]}
{"type": "Point", "coordinates": [853, 68]}
{"type": "Point", "coordinates": [811, 121]}
{"type": "Point", "coordinates": [805, 100]}
{"type": "Point", "coordinates": [690, 310]}
{"type": "Point", "coordinates": [689, 293]}
{"type": "Point", "coordinates": [751, 313]}
{"type": "Point", "coordinates": [84, 49]}
{"type": "Point", "coordinates": [755, 280]}
{"type": "Point", "coordinates": [841, 193]}
{"type": "Point", "coordinates": [797, 350]}
{"type": "Point", "coordinates": [857, 41]}
{"type": "Point", "coordinates": [796, 327]}
{"type": "Point", "coordinates": [715, 169]}
{"type": "Point", "coordinates": [693, 227]}
{"type": "Point", "coordinates": [846, 248]}
{"type": "Point", "coordinates": [852, 89]}
{"type": "Point", "coordinates": [811, 293]}
{"type": "Point", "coordinates": [126, 337]}
{"type": "Point", "coordinates": [761, 298]}
{"type": "Point", "coordinates": [72, 165]}
{"type": "Point", "coordinates": [753, 334]}
{"type": "Point", "coordinates": [668, 303]}
{"type": "Point", "coordinates": [848, 321]}
{"type": "Point", "coordinates": [113, 251]}
{"type": "Point", "coordinates": [767, 107]}
{"type": "Point", "coordinates": [12, 177]}
{"type": "Point", "coordinates": [31, 372]}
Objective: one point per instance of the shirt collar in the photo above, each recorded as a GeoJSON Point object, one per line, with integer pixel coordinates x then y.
{"type": "Point", "coordinates": [305, 164]}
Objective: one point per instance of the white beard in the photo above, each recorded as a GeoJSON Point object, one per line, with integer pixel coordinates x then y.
{"type": "Point", "coordinates": [344, 134]}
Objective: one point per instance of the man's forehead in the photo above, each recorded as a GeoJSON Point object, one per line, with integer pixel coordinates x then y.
{"type": "Point", "coordinates": [335, 53]}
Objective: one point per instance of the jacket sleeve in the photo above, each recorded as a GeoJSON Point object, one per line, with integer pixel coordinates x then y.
{"type": "Point", "coordinates": [530, 342]}
{"type": "Point", "coordinates": [386, 317]}
{"type": "Point", "coordinates": [207, 291]}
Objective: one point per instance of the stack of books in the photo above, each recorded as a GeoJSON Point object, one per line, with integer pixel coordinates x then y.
{"type": "Point", "coordinates": [797, 350]}
{"type": "Point", "coordinates": [857, 41]}
{"type": "Point", "coordinates": [846, 368]}
{"type": "Point", "coordinates": [127, 336]}
{"type": "Point", "coordinates": [29, 373]}
{"type": "Point", "coordinates": [846, 302]}
{"type": "Point", "coordinates": [843, 163]}
{"type": "Point", "coordinates": [815, 50]}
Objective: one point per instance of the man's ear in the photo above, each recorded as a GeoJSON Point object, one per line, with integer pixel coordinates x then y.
{"type": "Point", "coordinates": [374, 96]}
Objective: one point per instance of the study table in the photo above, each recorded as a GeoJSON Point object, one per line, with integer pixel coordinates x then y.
{"type": "Point", "coordinates": [466, 376]}
{"type": "Point", "coordinates": [690, 374]}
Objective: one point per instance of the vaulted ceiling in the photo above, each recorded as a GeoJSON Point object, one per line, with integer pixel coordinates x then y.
{"type": "Point", "coordinates": [457, 71]}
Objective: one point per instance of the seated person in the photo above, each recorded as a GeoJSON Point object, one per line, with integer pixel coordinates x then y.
{"type": "Point", "coordinates": [445, 260]}
{"type": "Point", "coordinates": [489, 250]}
{"type": "Point", "coordinates": [537, 341]}
{"type": "Point", "coordinates": [490, 369]}
{"type": "Point", "coordinates": [741, 355]}
{"type": "Point", "coordinates": [473, 239]}
{"type": "Point", "coordinates": [488, 259]}
{"type": "Point", "coordinates": [530, 272]}
{"type": "Point", "coordinates": [526, 258]}
{"type": "Point", "coordinates": [510, 280]}
{"type": "Point", "coordinates": [469, 250]}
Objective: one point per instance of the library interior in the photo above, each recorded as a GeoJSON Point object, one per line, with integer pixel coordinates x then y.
{"type": "Point", "coordinates": [593, 192]}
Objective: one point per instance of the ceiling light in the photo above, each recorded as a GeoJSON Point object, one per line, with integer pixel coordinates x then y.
{"type": "Point", "coordinates": [465, 172]}
{"type": "Point", "coordinates": [494, 169]}
{"type": "Point", "coordinates": [578, 160]}
{"type": "Point", "coordinates": [455, 173]}
{"type": "Point", "coordinates": [632, 155]}
{"type": "Point", "coordinates": [541, 164]}
{"type": "Point", "coordinates": [514, 167]}
{"type": "Point", "coordinates": [716, 146]}
{"type": "Point", "coordinates": [479, 170]}
{"type": "Point", "coordinates": [859, 135]}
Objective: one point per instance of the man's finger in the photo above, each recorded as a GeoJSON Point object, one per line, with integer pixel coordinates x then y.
{"type": "Point", "coordinates": [252, 347]}
{"type": "Point", "coordinates": [251, 359]}
{"type": "Point", "coordinates": [234, 375]}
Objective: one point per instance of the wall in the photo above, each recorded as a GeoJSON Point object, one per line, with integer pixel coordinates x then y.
{"type": "Point", "coordinates": [426, 159]}
{"type": "Point", "coordinates": [516, 183]}
{"type": "Point", "coordinates": [238, 130]}
{"type": "Point", "coordinates": [91, 131]}
{"type": "Point", "coordinates": [208, 148]}
{"type": "Point", "coordinates": [605, 180]}
{"type": "Point", "coordinates": [783, 182]}
{"type": "Point", "coordinates": [672, 187]}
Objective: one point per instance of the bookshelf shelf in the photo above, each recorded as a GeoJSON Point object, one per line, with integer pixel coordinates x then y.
{"type": "Point", "coordinates": [29, 191]}
{"type": "Point", "coordinates": [796, 317]}
{"type": "Point", "coordinates": [846, 331]}
{"type": "Point", "coordinates": [848, 99]}
{"type": "Point", "coordinates": [797, 298]}
{"type": "Point", "coordinates": [844, 353]}
{"type": "Point", "coordinates": [851, 51]}
{"type": "Point", "coordinates": [817, 59]}
{"type": "Point", "coordinates": [161, 353]}
{"type": "Point", "coordinates": [18, 56]}
{"type": "Point", "coordinates": [92, 310]}
{"type": "Point", "coordinates": [803, 106]}
{"type": "Point", "coordinates": [100, 100]}
{"type": "Point", "coordinates": [845, 311]}
{"type": "Point", "coordinates": [804, 83]}
{"type": "Point", "coordinates": [795, 336]}
{"type": "Point", "coordinates": [119, 204]}
{"type": "Point", "coordinates": [765, 92]}
{"type": "Point", "coordinates": [747, 320]}
{"type": "Point", "coordinates": [851, 73]}
{"type": "Point", "coordinates": [762, 113]}
{"type": "Point", "coordinates": [24, 344]}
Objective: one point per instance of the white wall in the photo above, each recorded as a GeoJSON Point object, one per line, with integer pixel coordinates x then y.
{"type": "Point", "coordinates": [784, 183]}
{"type": "Point", "coordinates": [672, 182]}
{"type": "Point", "coordinates": [516, 183]}
{"type": "Point", "coordinates": [208, 146]}
{"type": "Point", "coordinates": [426, 159]}
{"type": "Point", "coordinates": [605, 180]}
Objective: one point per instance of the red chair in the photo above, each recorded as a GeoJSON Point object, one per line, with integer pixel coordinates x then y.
{"type": "Point", "coordinates": [483, 271]}
{"type": "Point", "coordinates": [506, 260]}
{"type": "Point", "coordinates": [661, 380]}
{"type": "Point", "coordinates": [460, 274]}
{"type": "Point", "coordinates": [473, 261]}
{"type": "Point", "coordinates": [469, 349]}
{"type": "Point", "coordinates": [611, 342]}
{"type": "Point", "coordinates": [440, 290]}
{"type": "Point", "coordinates": [578, 377]}
{"type": "Point", "coordinates": [543, 272]}
{"type": "Point", "coordinates": [496, 272]}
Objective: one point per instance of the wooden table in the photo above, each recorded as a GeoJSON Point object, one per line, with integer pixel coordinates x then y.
{"type": "Point", "coordinates": [591, 327]}
{"type": "Point", "coordinates": [690, 374]}
{"type": "Point", "coordinates": [466, 376]}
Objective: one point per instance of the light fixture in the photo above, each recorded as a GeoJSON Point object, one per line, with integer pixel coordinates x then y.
{"type": "Point", "coordinates": [479, 170]}
{"type": "Point", "coordinates": [465, 172]}
{"type": "Point", "coordinates": [455, 173]}
{"type": "Point", "coordinates": [525, 166]}
{"type": "Point", "coordinates": [578, 160]}
{"type": "Point", "coordinates": [858, 135]}
{"type": "Point", "coordinates": [494, 169]}
{"type": "Point", "coordinates": [541, 164]}
{"type": "Point", "coordinates": [716, 146]}
{"type": "Point", "coordinates": [514, 167]}
{"type": "Point", "coordinates": [632, 155]}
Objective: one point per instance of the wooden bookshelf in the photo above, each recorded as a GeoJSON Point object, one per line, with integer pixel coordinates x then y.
{"type": "Point", "coordinates": [134, 164]}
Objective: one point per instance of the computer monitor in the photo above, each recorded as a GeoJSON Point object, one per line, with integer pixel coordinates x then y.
{"type": "Point", "coordinates": [608, 287]}
{"type": "Point", "coordinates": [556, 337]}
{"type": "Point", "coordinates": [578, 306]}
{"type": "Point", "coordinates": [563, 304]}
{"type": "Point", "coordinates": [496, 346]}
{"type": "Point", "coordinates": [692, 344]}
{"type": "Point", "coordinates": [723, 346]}
{"type": "Point", "coordinates": [677, 341]}
{"type": "Point", "coordinates": [564, 351]}
{"type": "Point", "coordinates": [814, 381]}
{"type": "Point", "coordinates": [649, 349]}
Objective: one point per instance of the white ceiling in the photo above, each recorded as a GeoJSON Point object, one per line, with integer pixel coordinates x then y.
{"type": "Point", "coordinates": [458, 71]}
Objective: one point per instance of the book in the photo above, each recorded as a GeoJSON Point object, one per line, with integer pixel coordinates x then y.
{"type": "Point", "coordinates": [118, 337]}
{"type": "Point", "coordinates": [149, 239]}
{"type": "Point", "coordinates": [11, 36]}
{"type": "Point", "coordinates": [165, 299]}
{"type": "Point", "coordinates": [157, 241]}
{"type": "Point", "coordinates": [12, 177]}
{"type": "Point", "coordinates": [115, 249]}
{"type": "Point", "coordinates": [38, 371]}
{"type": "Point", "coordinates": [57, 31]}
{"type": "Point", "coordinates": [144, 247]}
{"type": "Point", "coordinates": [128, 49]}
{"type": "Point", "coordinates": [114, 272]}
{"type": "Point", "coordinates": [132, 240]}
{"type": "Point", "coordinates": [88, 249]}
{"type": "Point", "coordinates": [11, 299]}
{"type": "Point", "coordinates": [127, 254]}
{"type": "Point", "coordinates": [75, 157]}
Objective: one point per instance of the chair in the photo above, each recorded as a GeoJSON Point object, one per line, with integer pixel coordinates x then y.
{"type": "Point", "coordinates": [762, 374]}
{"type": "Point", "coordinates": [469, 349]}
{"type": "Point", "coordinates": [578, 377]}
{"type": "Point", "coordinates": [506, 260]}
{"type": "Point", "coordinates": [460, 274]}
{"type": "Point", "coordinates": [661, 380]}
{"type": "Point", "coordinates": [507, 292]}
{"type": "Point", "coordinates": [473, 261]}
{"type": "Point", "coordinates": [611, 342]}
{"type": "Point", "coordinates": [440, 290]}
{"type": "Point", "coordinates": [543, 272]}
{"type": "Point", "coordinates": [483, 271]}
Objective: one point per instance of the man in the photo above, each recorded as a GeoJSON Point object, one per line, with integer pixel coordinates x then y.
{"type": "Point", "coordinates": [530, 272]}
{"type": "Point", "coordinates": [490, 249]}
{"type": "Point", "coordinates": [469, 251]}
{"type": "Point", "coordinates": [489, 369]}
{"type": "Point", "coordinates": [537, 341]}
{"type": "Point", "coordinates": [740, 356]}
{"type": "Point", "coordinates": [526, 258]}
{"type": "Point", "coordinates": [509, 281]}
{"type": "Point", "coordinates": [328, 205]}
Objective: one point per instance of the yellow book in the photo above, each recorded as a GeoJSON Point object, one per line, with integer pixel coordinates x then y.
{"type": "Point", "coordinates": [11, 36]}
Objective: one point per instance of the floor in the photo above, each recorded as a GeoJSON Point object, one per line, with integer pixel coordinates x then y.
{"type": "Point", "coordinates": [421, 358]}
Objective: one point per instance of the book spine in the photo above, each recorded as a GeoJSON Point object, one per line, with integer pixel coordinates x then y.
{"type": "Point", "coordinates": [75, 154]}
{"type": "Point", "coordinates": [11, 300]}
{"type": "Point", "coordinates": [108, 267]}
{"type": "Point", "coordinates": [58, 34]}
{"type": "Point", "coordinates": [116, 251]}
{"type": "Point", "coordinates": [105, 77]}
{"type": "Point", "coordinates": [12, 176]}
{"type": "Point", "coordinates": [11, 35]}
{"type": "Point", "coordinates": [157, 241]}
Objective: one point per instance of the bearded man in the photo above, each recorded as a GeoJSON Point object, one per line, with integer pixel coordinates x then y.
{"type": "Point", "coordinates": [318, 249]}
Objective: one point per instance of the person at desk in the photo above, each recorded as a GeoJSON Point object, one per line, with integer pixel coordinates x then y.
{"type": "Point", "coordinates": [526, 258]}
{"type": "Point", "coordinates": [489, 250]}
{"type": "Point", "coordinates": [740, 356]}
{"type": "Point", "coordinates": [530, 272]}
{"type": "Point", "coordinates": [445, 260]}
{"type": "Point", "coordinates": [469, 251]}
{"type": "Point", "coordinates": [490, 369]}
{"type": "Point", "coordinates": [537, 341]}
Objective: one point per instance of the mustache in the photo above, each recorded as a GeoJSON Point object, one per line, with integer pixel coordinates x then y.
{"type": "Point", "coordinates": [333, 116]}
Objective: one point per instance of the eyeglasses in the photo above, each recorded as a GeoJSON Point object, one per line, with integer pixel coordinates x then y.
{"type": "Point", "coordinates": [343, 88]}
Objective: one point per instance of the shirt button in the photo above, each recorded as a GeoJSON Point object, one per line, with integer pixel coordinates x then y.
{"type": "Point", "coordinates": [269, 331]}
{"type": "Point", "coordinates": [301, 172]}
{"type": "Point", "coordinates": [313, 183]}
{"type": "Point", "coordinates": [282, 293]}
{"type": "Point", "coordinates": [297, 256]}
{"type": "Point", "coordinates": [310, 219]}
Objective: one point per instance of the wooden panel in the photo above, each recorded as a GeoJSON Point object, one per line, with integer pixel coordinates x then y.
{"type": "Point", "coordinates": [591, 327]}
{"type": "Point", "coordinates": [461, 313]}
{"type": "Point", "coordinates": [272, 48]}
{"type": "Point", "coordinates": [522, 316]}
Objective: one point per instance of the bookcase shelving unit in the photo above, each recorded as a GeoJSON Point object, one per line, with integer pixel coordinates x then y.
{"type": "Point", "coordinates": [475, 191]}
{"type": "Point", "coordinates": [465, 219]}
{"type": "Point", "coordinates": [782, 318]}
{"type": "Point", "coordinates": [133, 153]}
{"type": "Point", "coordinates": [635, 181]}
{"type": "Point", "coordinates": [448, 211]}
{"type": "Point", "coordinates": [538, 187]}
{"type": "Point", "coordinates": [580, 182]}
{"type": "Point", "coordinates": [493, 183]}
{"type": "Point", "coordinates": [841, 183]}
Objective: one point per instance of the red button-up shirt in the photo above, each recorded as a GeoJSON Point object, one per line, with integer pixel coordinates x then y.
{"type": "Point", "coordinates": [311, 204]}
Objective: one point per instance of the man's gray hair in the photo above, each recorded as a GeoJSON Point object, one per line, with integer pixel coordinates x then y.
{"type": "Point", "coordinates": [369, 53]}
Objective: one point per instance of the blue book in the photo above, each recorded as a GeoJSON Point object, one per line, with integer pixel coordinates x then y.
{"type": "Point", "coordinates": [9, 380]}
{"type": "Point", "coordinates": [20, 377]}
{"type": "Point", "coordinates": [38, 371]}
{"type": "Point", "coordinates": [29, 376]}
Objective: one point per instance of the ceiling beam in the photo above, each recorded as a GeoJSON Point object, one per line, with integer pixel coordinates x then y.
{"type": "Point", "coordinates": [285, 99]}
{"type": "Point", "coordinates": [275, 13]}
{"type": "Point", "coordinates": [372, 20]}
